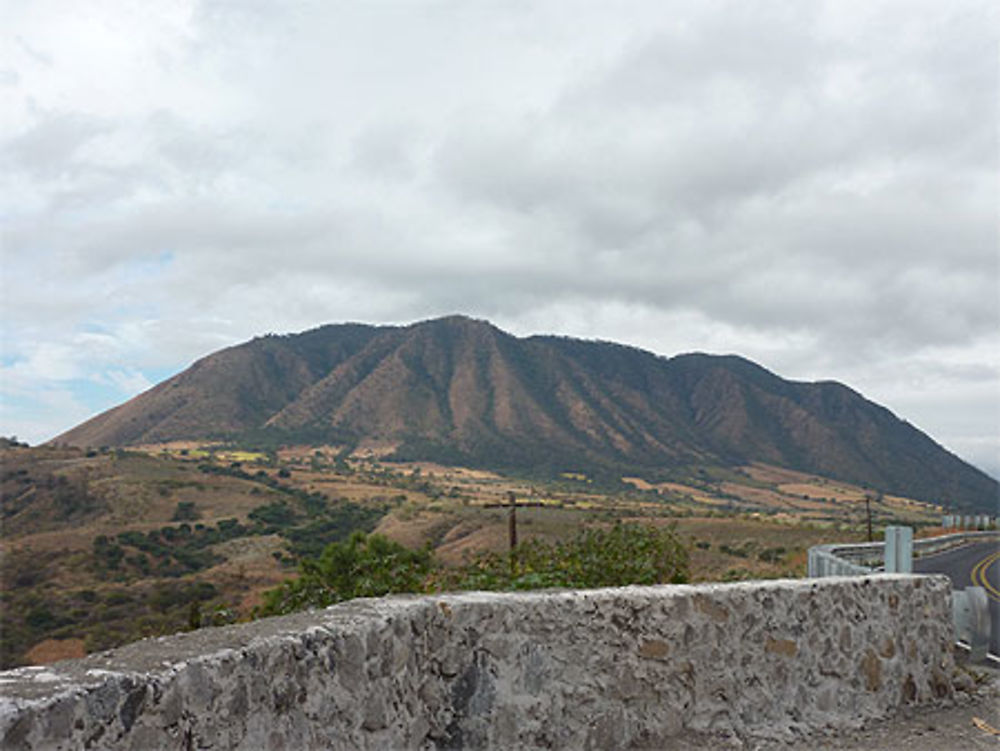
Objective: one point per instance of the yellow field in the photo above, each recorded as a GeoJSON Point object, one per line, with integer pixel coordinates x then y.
{"type": "Point", "coordinates": [241, 456]}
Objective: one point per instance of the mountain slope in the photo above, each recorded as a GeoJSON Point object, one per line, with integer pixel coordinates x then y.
{"type": "Point", "coordinates": [228, 392]}
{"type": "Point", "coordinates": [463, 391]}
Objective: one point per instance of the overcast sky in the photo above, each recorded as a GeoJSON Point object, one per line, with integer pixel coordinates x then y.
{"type": "Point", "coordinates": [813, 185]}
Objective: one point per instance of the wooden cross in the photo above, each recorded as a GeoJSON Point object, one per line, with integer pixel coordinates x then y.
{"type": "Point", "coordinates": [513, 505]}
{"type": "Point", "coordinates": [511, 516]}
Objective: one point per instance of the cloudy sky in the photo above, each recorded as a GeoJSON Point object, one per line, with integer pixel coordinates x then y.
{"type": "Point", "coordinates": [811, 184]}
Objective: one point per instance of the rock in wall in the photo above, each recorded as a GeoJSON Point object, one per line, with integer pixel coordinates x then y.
{"type": "Point", "coordinates": [598, 669]}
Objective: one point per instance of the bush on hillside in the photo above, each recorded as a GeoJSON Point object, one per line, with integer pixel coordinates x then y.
{"type": "Point", "coordinates": [598, 557]}
{"type": "Point", "coordinates": [373, 566]}
{"type": "Point", "coordinates": [361, 566]}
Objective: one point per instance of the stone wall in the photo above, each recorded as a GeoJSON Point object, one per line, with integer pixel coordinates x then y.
{"type": "Point", "coordinates": [594, 669]}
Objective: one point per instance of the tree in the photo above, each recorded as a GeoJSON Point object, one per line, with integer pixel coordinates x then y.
{"type": "Point", "coordinates": [361, 566]}
{"type": "Point", "coordinates": [185, 511]}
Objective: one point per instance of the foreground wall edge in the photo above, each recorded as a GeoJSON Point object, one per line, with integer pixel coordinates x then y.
{"type": "Point", "coordinates": [605, 668]}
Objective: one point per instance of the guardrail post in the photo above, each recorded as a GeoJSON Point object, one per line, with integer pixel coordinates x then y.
{"type": "Point", "coordinates": [971, 614]}
{"type": "Point", "coordinates": [898, 550]}
{"type": "Point", "coordinates": [813, 571]}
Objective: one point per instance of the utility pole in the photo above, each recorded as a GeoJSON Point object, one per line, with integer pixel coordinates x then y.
{"type": "Point", "coordinates": [868, 509]}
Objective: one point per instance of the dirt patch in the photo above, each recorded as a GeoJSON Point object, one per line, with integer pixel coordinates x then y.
{"type": "Point", "coordinates": [441, 472]}
{"type": "Point", "coordinates": [244, 550]}
{"type": "Point", "coordinates": [966, 725]}
{"type": "Point", "coordinates": [373, 449]}
{"type": "Point", "coordinates": [53, 650]}
{"type": "Point", "coordinates": [822, 492]}
{"type": "Point", "coordinates": [492, 536]}
{"type": "Point", "coordinates": [414, 528]}
{"type": "Point", "coordinates": [772, 475]}
{"type": "Point", "coordinates": [759, 496]}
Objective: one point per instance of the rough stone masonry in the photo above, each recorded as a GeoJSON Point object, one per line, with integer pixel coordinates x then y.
{"type": "Point", "coordinates": [588, 669]}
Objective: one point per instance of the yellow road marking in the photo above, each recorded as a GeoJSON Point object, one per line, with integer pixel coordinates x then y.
{"type": "Point", "coordinates": [979, 575]}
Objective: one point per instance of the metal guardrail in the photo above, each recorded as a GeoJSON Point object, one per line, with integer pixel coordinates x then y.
{"type": "Point", "coordinates": [969, 521]}
{"type": "Point", "coordinates": [895, 556]}
{"type": "Point", "coordinates": [931, 545]}
{"type": "Point", "coordinates": [836, 560]}
{"type": "Point", "coordinates": [869, 557]}
{"type": "Point", "coordinates": [970, 606]}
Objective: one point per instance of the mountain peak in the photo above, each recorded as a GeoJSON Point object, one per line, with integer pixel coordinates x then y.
{"type": "Point", "coordinates": [455, 321]}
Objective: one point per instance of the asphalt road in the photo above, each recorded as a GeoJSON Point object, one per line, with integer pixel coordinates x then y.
{"type": "Point", "coordinates": [971, 565]}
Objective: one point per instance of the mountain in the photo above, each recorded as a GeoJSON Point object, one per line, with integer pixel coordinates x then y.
{"type": "Point", "coordinates": [462, 391]}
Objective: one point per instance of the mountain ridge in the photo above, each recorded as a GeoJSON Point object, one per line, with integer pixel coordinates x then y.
{"type": "Point", "coordinates": [462, 390]}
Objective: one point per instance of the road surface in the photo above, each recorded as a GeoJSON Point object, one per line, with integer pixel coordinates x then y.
{"type": "Point", "coordinates": [976, 565]}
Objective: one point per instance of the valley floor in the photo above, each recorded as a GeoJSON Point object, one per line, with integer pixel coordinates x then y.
{"type": "Point", "coordinates": [103, 547]}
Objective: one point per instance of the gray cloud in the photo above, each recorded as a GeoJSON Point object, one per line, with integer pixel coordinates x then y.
{"type": "Point", "coordinates": [809, 184]}
{"type": "Point", "coordinates": [49, 148]}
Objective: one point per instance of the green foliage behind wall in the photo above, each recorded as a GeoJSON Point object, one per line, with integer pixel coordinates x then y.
{"type": "Point", "coordinates": [373, 566]}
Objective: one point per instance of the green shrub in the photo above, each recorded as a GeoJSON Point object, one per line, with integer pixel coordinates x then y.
{"type": "Point", "coordinates": [274, 515]}
{"type": "Point", "coordinates": [185, 511]}
{"type": "Point", "coordinates": [772, 555]}
{"type": "Point", "coordinates": [600, 557]}
{"type": "Point", "coordinates": [373, 566]}
{"type": "Point", "coordinates": [361, 566]}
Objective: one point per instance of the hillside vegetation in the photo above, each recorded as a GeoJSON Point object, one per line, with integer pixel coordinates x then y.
{"type": "Point", "coordinates": [103, 547]}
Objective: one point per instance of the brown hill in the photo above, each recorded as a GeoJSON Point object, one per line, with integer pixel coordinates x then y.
{"type": "Point", "coordinates": [464, 392]}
